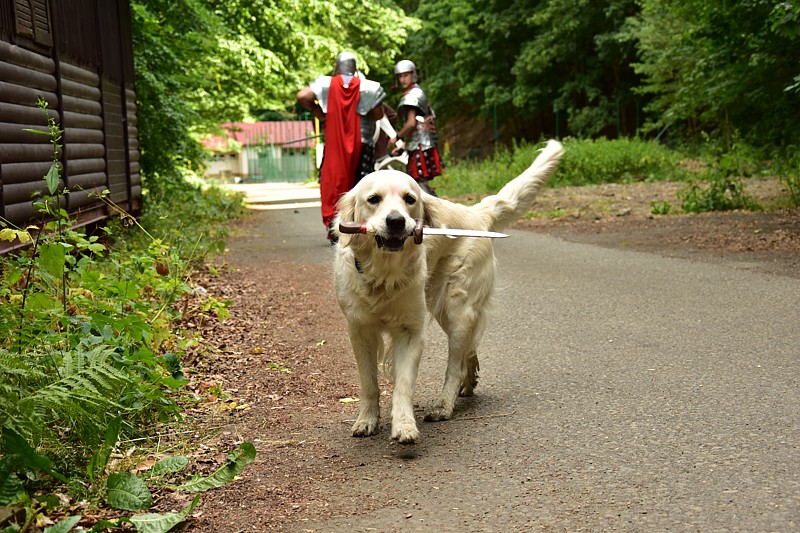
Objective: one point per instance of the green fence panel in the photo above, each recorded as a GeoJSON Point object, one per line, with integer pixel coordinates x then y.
{"type": "Point", "coordinates": [282, 151]}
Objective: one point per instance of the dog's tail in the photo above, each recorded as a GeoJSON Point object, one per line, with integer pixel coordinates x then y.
{"type": "Point", "coordinates": [516, 197]}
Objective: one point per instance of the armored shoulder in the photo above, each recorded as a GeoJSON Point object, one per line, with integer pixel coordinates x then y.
{"type": "Point", "coordinates": [372, 94]}
{"type": "Point", "coordinates": [415, 97]}
{"type": "Point", "coordinates": [320, 87]}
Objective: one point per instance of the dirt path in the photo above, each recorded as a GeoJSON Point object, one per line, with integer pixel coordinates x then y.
{"type": "Point", "coordinates": [281, 365]}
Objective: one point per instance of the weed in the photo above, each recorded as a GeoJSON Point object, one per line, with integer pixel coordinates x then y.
{"type": "Point", "coordinates": [660, 208]}
{"type": "Point", "coordinates": [725, 190]}
{"type": "Point", "coordinates": [279, 367]}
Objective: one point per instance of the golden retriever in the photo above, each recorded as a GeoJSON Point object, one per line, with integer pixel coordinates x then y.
{"type": "Point", "coordinates": [384, 282]}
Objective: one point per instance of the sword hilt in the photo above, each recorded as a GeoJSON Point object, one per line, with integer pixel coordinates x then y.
{"type": "Point", "coordinates": [352, 227]}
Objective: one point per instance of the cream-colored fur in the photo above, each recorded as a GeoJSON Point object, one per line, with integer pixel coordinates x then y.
{"type": "Point", "coordinates": [384, 282]}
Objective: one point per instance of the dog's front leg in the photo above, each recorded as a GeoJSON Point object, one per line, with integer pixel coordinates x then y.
{"type": "Point", "coordinates": [367, 342]}
{"type": "Point", "coordinates": [407, 345]}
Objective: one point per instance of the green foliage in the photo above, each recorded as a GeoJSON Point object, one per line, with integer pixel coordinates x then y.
{"type": "Point", "coordinates": [89, 351]}
{"type": "Point", "coordinates": [163, 522]}
{"type": "Point", "coordinates": [234, 465]}
{"type": "Point", "coordinates": [719, 67]}
{"type": "Point", "coordinates": [588, 162]}
{"type": "Point", "coordinates": [660, 208]}
{"type": "Point", "coordinates": [585, 162]}
{"type": "Point", "coordinates": [62, 398]}
{"type": "Point", "coordinates": [724, 188]}
{"type": "Point", "coordinates": [128, 492]}
{"type": "Point", "coordinates": [201, 63]}
{"type": "Point", "coordinates": [721, 194]}
{"type": "Point", "coordinates": [691, 67]}
{"type": "Point", "coordinates": [521, 59]}
{"type": "Point", "coordinates": [124, 490]}
{"type": "Point", "coordinates": [792, 181]}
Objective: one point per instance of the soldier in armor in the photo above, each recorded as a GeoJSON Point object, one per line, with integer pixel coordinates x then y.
{"type": "Point", "coordinates": [350, 105]}
{"type": "Point", "coordinates": [419, 127]}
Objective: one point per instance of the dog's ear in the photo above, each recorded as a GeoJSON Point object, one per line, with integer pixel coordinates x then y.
{"type": "Point", "coordinates": [430, 205]}
{"type": "Point", "coordinates": [346, 212]}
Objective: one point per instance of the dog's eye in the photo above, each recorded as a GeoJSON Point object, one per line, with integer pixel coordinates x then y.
{"type": "Point", "coordinates": [409, 199]}
{"type": "Point", "coordinates": [374, 199]}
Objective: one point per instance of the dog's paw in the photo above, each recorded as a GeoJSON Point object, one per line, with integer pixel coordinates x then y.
{"type": "Point", "coordinates": [440, 411]}
{"type": "Point", "coordinates": [364, 427]}
{"type": "Point", "coordinates": [405, 433]}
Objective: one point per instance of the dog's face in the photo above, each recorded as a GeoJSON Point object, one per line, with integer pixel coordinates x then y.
{"type": "Point", "coordinates": [389, 202]}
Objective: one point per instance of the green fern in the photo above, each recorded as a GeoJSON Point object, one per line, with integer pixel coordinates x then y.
{"type": "Point", "coordinates": [72, 402]}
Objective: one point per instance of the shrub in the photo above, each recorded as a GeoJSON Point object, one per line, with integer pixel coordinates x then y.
{"type": "Point", "coordinates": [588, 162]}
{"type": "Point", "coordinates": [87, 321]}
{"type": "Point", "coordinates": [725, 189]}
{"type": "Point", "coordinates": [585, 162]}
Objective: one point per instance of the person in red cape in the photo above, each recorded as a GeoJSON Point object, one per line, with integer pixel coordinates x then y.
{"type": "Point", "coordinates": [350, 105]}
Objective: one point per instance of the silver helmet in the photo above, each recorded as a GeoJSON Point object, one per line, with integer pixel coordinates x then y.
{"type": "Point", "coordinates": [404, 66]}
{"type": "Point", "coordinates": [346, 63]}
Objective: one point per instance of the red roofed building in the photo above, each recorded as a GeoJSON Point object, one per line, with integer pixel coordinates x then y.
{"type": "Point", "coordinates": [264, 151]}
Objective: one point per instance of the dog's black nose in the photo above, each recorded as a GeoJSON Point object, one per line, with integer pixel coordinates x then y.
{"type": "Point", "coordinates": [395, 222]}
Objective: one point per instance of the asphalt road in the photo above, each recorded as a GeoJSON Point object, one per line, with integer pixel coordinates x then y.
{"type": "Point", "coordinates": [619, 391]}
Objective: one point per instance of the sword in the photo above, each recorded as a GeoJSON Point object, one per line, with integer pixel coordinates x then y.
{"type": "Point", "coordinates": [420, 230]}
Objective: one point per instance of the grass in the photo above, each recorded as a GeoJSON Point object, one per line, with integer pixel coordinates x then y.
{"type": "Point", "coordinates": [715, 180]}
{"type": "Point", "coordinates": [585, 162]}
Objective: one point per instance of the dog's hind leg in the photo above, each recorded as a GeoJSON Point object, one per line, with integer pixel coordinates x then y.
{"type": "Point", "coordinates": [407, 346]}
{"type": "Point", "coordinates": [471, 379]}
{"type": "Point", "coordinates": [461, 376]}
{"type": "Point", "coordinates": [367, 343]}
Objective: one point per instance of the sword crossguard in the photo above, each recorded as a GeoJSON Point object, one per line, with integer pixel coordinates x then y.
{"type": "Point", "coordinates": [418, 231]}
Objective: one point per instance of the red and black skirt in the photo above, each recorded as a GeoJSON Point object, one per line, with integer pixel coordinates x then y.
{"type": "Point", "coordinates": [424, 164]}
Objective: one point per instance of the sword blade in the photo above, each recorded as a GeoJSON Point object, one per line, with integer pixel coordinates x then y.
{"type": "Point", "coordinates": [452, 232]}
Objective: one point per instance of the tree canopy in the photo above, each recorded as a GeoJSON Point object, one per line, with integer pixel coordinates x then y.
{"type": "Point", "coordinates": [590, 67]}
{"type": "Point", "coordinates": [717, 66]}
{"type": "Point", "coordinates": [201, 63]}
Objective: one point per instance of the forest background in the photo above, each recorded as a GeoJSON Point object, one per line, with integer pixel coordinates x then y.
{"type": "Point", "coordinates": [687, 72]}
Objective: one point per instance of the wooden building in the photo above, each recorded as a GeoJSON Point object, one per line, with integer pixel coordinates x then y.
{"type": "Point", "coordinates": [78, 56]}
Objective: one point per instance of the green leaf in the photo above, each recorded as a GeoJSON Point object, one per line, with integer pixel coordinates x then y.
{"type": "Point", "coordinates": [53, 257]}
{"type": "Point", "coordinates": [41, 302]}
{"type": "Point", "coordinates": [236, 463]}
{"type": "Point", "coordinates": [11, 489]}
{"type": "Point", "coordinates": [16, 445]}
{"type": "Point", "coordinates": [52, 178]}
{"type": "Point", "coordinates": [100, 458]}
{"type": "Point", "coordinates": [64, 525]}
{"type": "Point", "coordinates": [161, 523]}
{"type": "Point", "coordinates": [128, 492]}
{"type": "Point", "coordinates": [168, 465]}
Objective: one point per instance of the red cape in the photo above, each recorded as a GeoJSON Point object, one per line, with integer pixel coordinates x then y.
{"type": "Point", "coordinates": [342, 144]}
